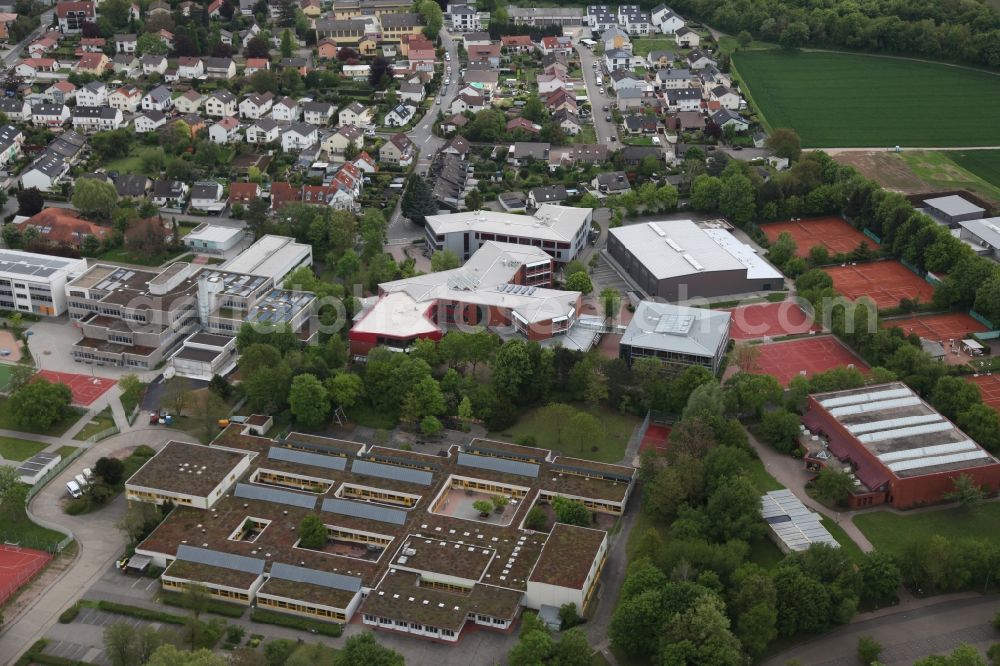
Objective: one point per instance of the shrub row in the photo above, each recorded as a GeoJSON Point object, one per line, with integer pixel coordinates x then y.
{"type": "Point", "coordinates": [34, 655]}
{"type": "Point", "coordinates": [292, 622]}
{"type": "Point", "coordinates": [213, 606]}
{"type": "Point", "coordinates": [140, 613]}
{"type": "Point", "coordinates": [69, 614]}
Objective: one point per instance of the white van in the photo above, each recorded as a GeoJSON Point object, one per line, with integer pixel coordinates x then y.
{"type": "Point", "coordinates": [81, 480]}
{"type": "Point", "coordinates": [73, 488]}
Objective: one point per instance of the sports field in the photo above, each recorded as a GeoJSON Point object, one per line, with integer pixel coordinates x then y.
{"type": "Point", "coordinates": [989, 388]}
{"type": "Point", "coordinates": [983, 163]}
{"type": "Point", "coordinates": [18, 566]}
{"type": "Point", "coordinates": [886, 283]}
{"type": "Point", "coordinates": [770, 320]}
{"type": "Point", "coordinates": [938, 327]}
{"type": "Point", "coordinates": [833, 233]}
{"type": "Point", "coordinates": [847, 99]}
{"type": "Point", "coordinates": [805, 356]}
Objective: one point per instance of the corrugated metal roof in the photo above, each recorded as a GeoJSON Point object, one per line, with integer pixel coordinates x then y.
{"type": "Point", "coordinates": [933, 461]}
{"type": "Point", "coordinates": [498, 465]}
{"type": "Point", "coordinates": [215, 558]}
{"type": "Point", "coordinates": [793, 522]}
{"type": "Point", "coordinates": [382, 514]}
{"type": "Point", "coordinates": [307, 458]}
{"type": "Point", "coordinates": [406, 474]}
{"type": "Point", "coordinates": [924, 451]}
{"type": "Point", "coordinates": [313, 577]}
{"type": "Point", "coordinates": [247, 491]}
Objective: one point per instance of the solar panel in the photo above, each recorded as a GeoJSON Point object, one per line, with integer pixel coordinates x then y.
{"type": "Point", "coordinates": [934, 461]}
{"type": "Point", "coordinates": [392, 472]}
{"type": "Point", "coordinates": [498, 465]}
{"type": "Point", "coordinates": [382, 514]}
{"type": "Point", "coordinates": [215, 558]}
{"type": "Point", "coordinates": [264, 494]}
{"type": "Point", "coordinates": [306, 458]}
{"type": "Point", "coordinates": [313, 577]}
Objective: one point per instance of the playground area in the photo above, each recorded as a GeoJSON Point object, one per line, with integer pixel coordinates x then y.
{"type": "Point", "coordinates": [86, 389]}
{"type": "Point", "coordinates": [769, 320]}
{"type": "Point", "coordinates": [886, 283]}
{"type": "Point", "coordinates": [805, 356]}
{"type": "Point", "coordinates": [989, 388]}
{"type": "Point", "coordinates": [18, 566]}
{"type": "Point", "coordinates": [833, 233]}
{"type": "Point", "coordinates": [938, 327]}
{"type": "Point", "coordinates": [655, 438]}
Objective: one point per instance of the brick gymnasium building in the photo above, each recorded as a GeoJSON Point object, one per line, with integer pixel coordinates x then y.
{"type": "Point", "coordinates": [899, 449]}
{"type": "Point", "coordinates": [406, 549]}
{"type": "Point", "coordinates": [501, 285]}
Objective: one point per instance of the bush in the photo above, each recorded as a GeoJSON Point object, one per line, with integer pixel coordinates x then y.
{"type": "Point", "coordinates": [994, 654]}
{"type": "Point", "coordinates": [234, 634]}
{"type": "Point", "coordinates": [213, 606]}
{"type": "Point", "coordinates": [141, 613]}
{"type": "Point", "coordinates": [536, 519]}
{"type": "Point", "coordinates": [144, 451]}
{"type": "Point", "coordinates": [69, 614]}
{"type": "Point", "coordinates": [77, 506]}
{"type": "Point", "coordinates": [292, 622]}
{"type": "Point", "coordinates": [868, 650]}
{"type": "Point", "coordinates": [527, 440]}
{"type": "Point", "coordinates": [568, 616]}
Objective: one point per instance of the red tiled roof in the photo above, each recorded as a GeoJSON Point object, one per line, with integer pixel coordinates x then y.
{"type": "Point", "coordinates": [62, 226]}
{"type": "Point", "coordinates": [282, 193]}
{"type": "Point", "coordinates": [63, 9]}
{"type": "Point", "coordinates": [244, 192]}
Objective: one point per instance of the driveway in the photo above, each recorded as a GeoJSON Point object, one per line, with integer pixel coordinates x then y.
{"type": "Point", "coordinates": [100, 542]}
{"type": "Point", "coordinates": [604, 129]}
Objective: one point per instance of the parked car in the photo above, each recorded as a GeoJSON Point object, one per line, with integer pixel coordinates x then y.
{"type": "Point", "coordinates": [656, 140]}
{"type": "Point", "coordinates": [81, 481]}
{"type": "Point", "coordinates": [73, 488]}
{"type": "Point", "coordinates": [607, 119]}
{"type": "Point", "coordinates": [88, 474]}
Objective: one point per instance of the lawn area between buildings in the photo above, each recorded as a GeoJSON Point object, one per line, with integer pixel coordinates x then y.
{"type": "Point", "coordinates": [892, 532]}
{"type": "Point", "coordinates": [7, 422]}
{"type": "Point", "coordinates": [13, 448]}
{"type": "Point", "coordinates": [120, 254]}
{"type": "Point", "coordinates": [849, 99]}
{"type": "Point", "coordinates": [20, 530]}
{"type": "Point", "coordinates": [66, 451]}
{"type": "Point", "coordinates": [618, 429]}
{"type": "Point", "coordinates": [645, 45]}
{"type": "Point", "coordinates": [99, 423]}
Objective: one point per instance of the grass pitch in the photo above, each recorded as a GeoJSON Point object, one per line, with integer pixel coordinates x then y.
{"type": "Point", "coordinates": [983, 163]}
{"type": "Point", "coordinates": [844, 99]}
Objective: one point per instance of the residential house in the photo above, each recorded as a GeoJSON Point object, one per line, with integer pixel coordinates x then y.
{"type": "Point", "coordinates": [226, 37]}
{"type": "Point", "coordinates": [666, 20]}
{"type": "Point", "coordinates": [476, 39]}
{"type": "Point", "coordinates": [711, 77]}
{"type": "Point", "coordinates": [464, 18]}
{"type": "Point", "coordinates": [15, 108]}
{"type": "Point", "coordinates": [552, 194]}
{"type": "Point", "coordinates": [697, 59]}
{"type": "Point", "coordinates": [193, 121]}
{"type": "Point", "coordinates": [286, 110]}
{"type": "Point", "coordinates": [485, 81]}
{"type": "Point", "coordinates": [127, 65]}
{"type": "Point", "coordinates": [398, 24]}
{"type": "Point", "coordinates": [457, 146]}
{"type": "Point", "coordinates": [346, 32]}
{"type": "Point", "coordinates": [327, 49]}
{"type": "Point", "coordinates": [517, 44]}
{"type": "Point", "coordinates": [61, 92]}
{"type": "Point", "coordinates": [283, 193]}
{"type": "Point", "coordinates": [149, 121]}
{"type": "Point", "coordinates": [243, 193]}
{"type": "Point", "coordinates": [72, 16]}
{"type": "Point", "coordinates": [636, 98]}
{"type": "Point", "coordinates": [685, 99]}
{"type": "Point", "coordinates": [660, 59]}
{"type": "Point", "coordinates": [311, 8]}
{"type": "Point", "coordinates": [624, 78]}
{"type": "Point", "coordinates": [300, 65]}
{"type": "Point", "coordinates": [555, 63]}
{"type": "Point", "coordinates": [89, 44]}
{"type": "Point", "coordinates": [153, 64]}
{"type": "Point", "coordinates": [214, 9]}
{"type": "Point", "coordinates": [11, 140]}
{"type": "Point", "coordinates": [616, 39]}
{"type": "Point", "coordinates": [674, 79]}
{"type": "Point", "coordinates": [466, 103]}
{"type": "Point", "coordinates": [189, 102]}
{"type": "Point", "coordinates": [132, 186]}
{"type": "Point", "coordinates": [687, 38]}
{"type": "Point", "coordinates": [641, 123]}
{"type": "Point", "coordinates": [617, 59]}
{"type": "Point", "coordinates": [31, 68]}
{"type": "Point", "coordinates": [127, 98]}
{"type": "Point", "coordinates": [97, 118]}
{"type": "Point", "coordinates": [44, 44]}
{"type": "Point", "coordinates": [93, 63]}
{"type": "Point", "coordinates": [317, 113]}
{"type": "Point", "coordinates": [169, 193]}
{"type": "Point", "coordinates": [220, 104]}
{"type": "Point", "coordinates": [224, 131]}
{"type": "Point", "coordinates": [207, 196]}
{"type": "Point", "coordinates": [577, 154]}
{"type": "Point", "coordinates": [568, 120]}
{"type": "Point", "coordinates": [636, 23]}
{"type": "Point", "coordinates": [264, 130]}
{"type": "Point", "coordinates": [220, 68]}
{"type": "Point", "coordinates": [365, 163]}
{"type": "Point", "coordinates": [728, 118]}
{"type": "Point", "coordinates": [689, 120]}
{"type": "Point", "coordinates": [126, 43]}
{"type": "Point", "coordinates": [453, 123]}
{"type": "Point", "coordinates": [190, 68]}
{"type": "Point", "coordinates": [611, 182]}
{"type": "Point", "coordinates": [558, 44]}
{"type": "Point", "coordinates": [255, 65]}
{"type": "Point", "coordinates": [411, 92]}
{"type": "Point", "coordinates": [726, 97]}
{"type": "Point", "coordinates": [523, 125]}
{"type": "Point", "coordinates": [488, 55]}
{"type": "Point", "coordinates": [256, 105]}
{"type": "Point", "coordinates": [548, 83]}
{"type": "Point", "coordinates": [49, 115]}
{"type": "Point", "coordinates": [560, 99]}
{"type": "Point", "coordinates": [398, 150]}
{"type": "Point", "coordinates": [336, 142]}
{"type": "Point", "coordinates": [158, 7]}
{"type": "Point", "coordinates": [522, 152]}
{"type": "Point", "coordinates": [61, 226]}
{"type": "Point", "coordinates": [299, 136]}
{"type": "Point", "coordinates": [158, 99]}
{"type": "Point", "coordinates": [46, 172]}
{"type": "Point", "coordinates": [94, 93]}
{"type": "Point", "coordinates": [356, 113]}
{"type": "Point", "coordinates": [400, 115]}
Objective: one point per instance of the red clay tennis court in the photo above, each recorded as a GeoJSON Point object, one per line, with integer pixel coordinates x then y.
{"type": "Point", "coordinates": [786, 360]}
{"type": "Point", "coordinates": [769, 320]}
{"type": "Point", "coordinates": [833, 233]}
{"type": "Point", "coordinates": [885, 282]}
{"type": "Point", "coordinates": [655, 438]}
{"type": "Point", "coordinates": [938, 327]}
{"type": "Point", "coordinates": [18, 566]}
{"type": "Point", "coordinates": [989, 387]}
{"type": "Point", "coordinates": [86, 389]}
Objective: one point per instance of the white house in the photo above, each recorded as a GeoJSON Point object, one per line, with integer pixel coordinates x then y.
{"type": "Point", "coordinates": [225, 131]}
{"type": "Point", "coordinates": [158, 99]}
{"type": "Point", "coordinates": [94, 93]}
{"type": "Point", "coordinates": [674, 79]}
{"type": "Point", "coordinates": [15, 108]}
{"type": "Point", "coordinates": [49, 115]}
{"type": "Point", "coordinates": [617, 59]}
{"type": "Point", "coordinates": [286, 110]}
{"type": "Point", "coordinates": [153, 64]}
{"type": "Point", "coordinates": [687, 37]}
{"type": "Point", "coordinates": [220, 104]}
{"type": "Point", "coordinates": [127, 98]}
{"type": "Point", "coordinates": [207, 196]}
{"type": "Point", "coordinates": [299, 136]}
{"type": "Point", "coordinates": [317, 113]}
{"type": "Point", "coordinates": [189, 102]}
{"type": "Point", "coordinates": [400, 115]}
{"type": "Point", "coordinates": [97, 118]}
{"type": "Point", "coordinates": [726, 97]}
{"type": "Point", "coordinates": [126, 43]}
{"type": "Point", "coordinates": [549, 83]}
{"type": "Point", "coordinates": [666, 20]}
{"type": "Point", "coordinates": [356, 114]}
{"type": "Point", "coordinates": [728, 118]}
{"type": "Point", "coordinates": [11, 139]}
{"type": "Point", "coordinates": [190, 68]}
{"type": "Point", "coordinates": [148, 121]}
{"type": "Point", "coordinates": [256, 105]}
{"type": "Point", "coordinates": [636, 23]}
{"type": "Point", "coordinates": [264, 130]}
{"type": "Point", "coordinates": [412, 92]}
{"type": "Point", "coordinates": [685, 99]}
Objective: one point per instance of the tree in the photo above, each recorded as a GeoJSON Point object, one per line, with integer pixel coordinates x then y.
{"type": "Point", "coordinates": [533, 109]}
{"type": "Point", "coordinates": [511, 369]}
{"type": "Point", "coordinates": [418, 199]}
{"type": "Point", "coordinates": [171, 655]}
{"type": "Point", "coordinates": [780, 429]}
{"type": "Point", "coordinates": [833, 486]}
{"type": "Point", "coordinates": [535, 644]}
{"type": "Point", "coordinates": [12, 493]}
{"type": "Point", "coordinates": [177, 394]}
{"type": "Point", "coordinates": [287, 44]}
{"type": "Point", "coordinates": [963, 655]}
{"type": "Point", "coordinates": [569, 617]}
{"type": "Point", "coordinates": [345, 389]}
{"type": "Point", "coordinates": [111, 470]}
{"type": "Point", "coordinates": [737, 199]}
{"type": "Point", "coordinates": [94, 198]}
{"type": "Point", "coordinates": [146, 238]}
{"type": "Point", "coordinates": [206, 409]}
{"type": "Point", "coordinates": [474, 200]}
{"type": "Point", "coordinates": [982, 423]}
{"type": "Point", "coordinates": [444, 260]}
{"type": "Point", "coordinates": [257, 47]}
{"type": "Point", "coordinates": [120, 644]}
{"type": "Point", "coordinates": [784, 142]}
{"type": "Point", "coordinates": [309, 401]}
{"type": "Point", "coordinates": [139, 520]}
{"type": "Point", "coordinates": [484, 507]}
{"type": "Point", "coordinates": [536, 519]}
{"type": "Point", "coordinates": [571, 512]}
{"type": "Point", "coordinates": [433, 17]}
{"type": "Point", "coordinates": [782, 249]}
{"type": "Point", "coordinates": [312, 532]}
{"type": "Point", "coordinates": [744, 38]}
{"type": "Point", "coordinates": [579, 282]}
{"type": "Point", "coordinates": [586, 428]}
{"type": "Point", "coordinates": [706, 401]}
{"type": "Point", "coordinates": [611, 301]}
{"type": "Point", "coordinates": [868, 650]}
{"type": "Point", "coordinates": [701, 635]}
{"type": "Point", "coordinates": [151, 44]}
{"type": "Point", "coordinates": [880, 578]}
{"type": "Point", "coordinates": [953, 395]}
{"type": "Point", "coordinates": [733, 511]}
{"type": "Point", "coordinates": [30, 202]}
{"type": "Point", "coordinates": [794, 36]}
{"type": "Point", "coordinates": [966, 492]}
{"type": "Point", "coordinates": [40, 404]}
{"type": "Point", "coordinates": [705, 191]}
{"type": "Point", "coordinates": [380, 72]}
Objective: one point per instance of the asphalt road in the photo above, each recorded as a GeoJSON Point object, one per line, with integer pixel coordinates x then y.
{"type": "Point", "coordinates": [604, 129]}
{"type": "Point", "coordinates": [14, 54]}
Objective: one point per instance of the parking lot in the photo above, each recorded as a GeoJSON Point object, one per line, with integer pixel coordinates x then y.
{"type": "Point", "coordinates": [77, 652]}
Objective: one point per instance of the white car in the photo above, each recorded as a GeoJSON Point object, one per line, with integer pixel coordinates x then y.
{"type": "Point", "coordinates": [656, 140]}
{"type": "Point", "coordinates": [447, 81]}
{"type": "Point", "coordinates": [88, 474]}
{"type": "Point", "coordinates": [73, 488]}
{"type": "Point", "coordinates": [438, 100]}
{"type": "Point", "coordinates": [600, 90]}
{"type": "Point", "coordinates": [447, 55]}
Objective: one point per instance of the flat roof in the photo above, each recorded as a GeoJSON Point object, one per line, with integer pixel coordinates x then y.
{"type": "Point", "coordinates": [568, 556]}
{"type": "Point", "coordinates": [213, 233]}
{"type": "Point", "coordinates": [445, 557]}
{"type": "Point", "coordinates": [987, 229]}
{"type": "Point", "coordinates": [190, 469]}
{"type": "Point", "coordinates": [549, 222]}
{"type": "Point", "coordinates": [677, 328]}
{"type": "Point", "coordinates": [677, 248]}
{"type": "Point", "coordinates": [953, 204]}
{"type": "Point", "coordinates": [37, 267]}
{"type": "Point", "coordinates": [268, 257]}
{"type": "Point", "coordinates": [791, 521]}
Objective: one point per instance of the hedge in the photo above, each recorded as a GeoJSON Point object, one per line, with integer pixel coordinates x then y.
{"type": "Point", "coordinates": [213, 606]}
{"type": "Point", "coordinates": [293, 622]}
{"type": "Point", "coordinates": [34, 655]}
{"type": "Point", "coordinates": [69, 614]}
{"type": "Point", "coordinates": [140, 613]}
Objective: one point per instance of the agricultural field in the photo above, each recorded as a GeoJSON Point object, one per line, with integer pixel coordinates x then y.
{"type": "Point", "coordinates": [844, 99]}
{"type": "Point", "coordinates": [982, 163]}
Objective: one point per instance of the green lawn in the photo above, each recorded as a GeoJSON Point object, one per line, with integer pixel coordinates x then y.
{"type": "Point", "coordinates": [586, 135]}
{"type": "Point", "coordinates": [982, 163]}
{"type": "Point", "coordinates": [130, 164]}
{"type": "Point", "coordinates": [65, 451]}
{"type": "Point", "coordinates": [761, 478]}
{"type": "Point", "coordinates": [120, 254]}
{"type": "Point", "coordinates": [7, 422]}
{"type": "Point", "coordinates": [892, 532]}
{"type": "Point", "coordinates": [940, 168]}
{"type": "Point", "coordinates": [618, 428]}
{"type": "Point", "coordinates": [846, 542]}
{"type": "Point", "coordinates": [22, 531]}
{"type": "Point", "coordinates": [765, 553]}
{"type": "Point", "coordinates": [844, 99]}
{"type": "Point", "coordinates": [6, 370]}
{"type": "Point", "coordinates": [12, 448]}
{"type": "Point", "coordinates": [729, 43]}
{"type": "Point", "coordinates": [643, 45]}
{"type": "Point", "coordinates": [99, 423]}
